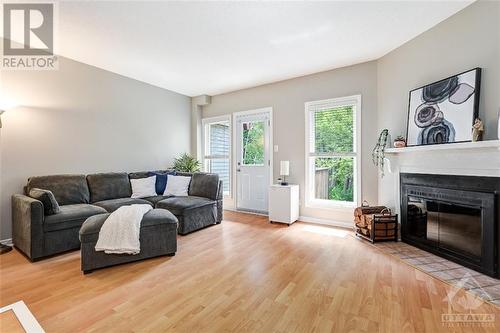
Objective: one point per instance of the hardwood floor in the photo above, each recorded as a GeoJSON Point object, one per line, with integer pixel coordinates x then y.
{"type": "Point", "coordinates": [242, 275]}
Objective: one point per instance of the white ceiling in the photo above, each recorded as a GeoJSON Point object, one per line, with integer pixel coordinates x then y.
{"type": "Point", "coordinates": [210, 48]}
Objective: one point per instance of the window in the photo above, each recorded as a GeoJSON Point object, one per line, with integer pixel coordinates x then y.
{"type": "Point", "coordinates": [332, 152]}
{"type": "Point", "coordinates": [217, 149]}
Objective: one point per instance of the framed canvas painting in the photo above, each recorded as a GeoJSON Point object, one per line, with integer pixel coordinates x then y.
{"type": "Point", "coordinates": [444, 111]}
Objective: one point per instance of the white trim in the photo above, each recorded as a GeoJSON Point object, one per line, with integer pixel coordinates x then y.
{"type": "Point", "coordinates": [7, 241]}
{"type": "Point", "coordinates": [233, 209]}
{"type": "Point", "coordinates": [329, 103]}
{"type": "Point", "coordinates": [314, 220]}
{"type": "Point", "coordinates": [25, 317]}
{"type": "Point", "coordinates": [269, 111]}
{"type": "Point", "coordinates": [212, 120]}
{"type": "Point", "coordinates": [489, 144]}
{"type": "Point", "coordinates": [303, 219]}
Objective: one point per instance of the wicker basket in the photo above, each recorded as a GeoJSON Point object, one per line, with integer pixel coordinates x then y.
{"type": "Point", "coordinates": [375, 223]}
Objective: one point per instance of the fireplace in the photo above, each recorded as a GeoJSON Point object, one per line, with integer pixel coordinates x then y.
{"type": "Point", "coordinates": [455, 217]}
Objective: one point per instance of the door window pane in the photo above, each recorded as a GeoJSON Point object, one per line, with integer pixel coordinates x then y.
{"type": "Point", "coordinates": [253, 143]}
{"type": "Point", "coordinates": [334, 178]}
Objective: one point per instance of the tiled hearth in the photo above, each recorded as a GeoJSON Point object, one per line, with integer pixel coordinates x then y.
{"type": "Point", "coordinates": [481, 285]}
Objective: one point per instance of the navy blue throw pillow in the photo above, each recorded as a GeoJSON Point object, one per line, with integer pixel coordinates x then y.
{"type": "Point", "coordinates": [161, 180]}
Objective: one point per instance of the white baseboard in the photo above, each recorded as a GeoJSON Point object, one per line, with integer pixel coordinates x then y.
{"type": "Point", "coordinates": [7, 241]}
{"type": "Point", "coordinates": [306, 219]}
{"type": "Point", "coordinates": [231, 209]}
{"type": "Point", "coordinates": [332, 223]}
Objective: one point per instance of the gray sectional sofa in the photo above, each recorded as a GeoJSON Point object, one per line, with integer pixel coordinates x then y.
{"type": "Point", "coordinates": [81, 197]}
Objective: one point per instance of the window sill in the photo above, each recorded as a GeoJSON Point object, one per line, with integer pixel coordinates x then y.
{"type": "Point", "coordinates": [334, 205]}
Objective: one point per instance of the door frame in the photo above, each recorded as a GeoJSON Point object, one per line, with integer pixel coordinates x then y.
{"type": "Point", "coordinates": [234, 132]}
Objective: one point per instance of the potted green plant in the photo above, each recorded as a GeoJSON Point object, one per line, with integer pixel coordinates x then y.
{"type": "Point", "coordinates": [400, 142]}
{"type": "Point", "coordinates": [186, 163]}
{"type": "Point", "coordinates": [378, 152]}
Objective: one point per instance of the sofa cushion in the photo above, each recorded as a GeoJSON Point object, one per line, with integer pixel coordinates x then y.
{"type": "Point", "coordinates": [67, 189]}
{"type": "Point", "coordinates": [178, 205]}
{"type": "Point", "coordinates": [89, 231]}
{"type": "Point", "coordinates": [143, 187]}
{"type": "Point", "coordinates": [105, 186]}
{"type": "Point", "coordinates": [204, 185]}
{"type": "Point", "coordinates": [50, 205]}
{"type": "Point", "coordinates": [113, 204]}
{"type": "Point", "coordinates": [71, 216]}
{"type": "Point", "coordinates": [156, 198]}
{"type": "Point", "coordinates": [161, 180]}
{"type": "Point", "coordinates": [144, 174]}
{"type": "Point", "coordinates": [177, 186]}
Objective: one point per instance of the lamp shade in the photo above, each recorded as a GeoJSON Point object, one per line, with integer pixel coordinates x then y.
{"type": "Point", "coordinates": [284, 168]}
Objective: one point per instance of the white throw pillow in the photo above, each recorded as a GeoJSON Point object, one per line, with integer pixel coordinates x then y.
{"type": "Point", "coordinates": [143, 187]}
{"type": "Point", "coordinates": [177, 186]}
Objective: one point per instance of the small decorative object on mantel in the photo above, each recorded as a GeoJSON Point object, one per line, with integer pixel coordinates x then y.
{"type": "Point", "coordinates": [477, 130]}
{"type": "Point", "coordinates": [375, 223]}
{"type": "Point", "coordinates": [443, 111]}
{"type": "Point", "coordinates": [378, 153]}
{"type": "Point", "coordinates": [400, 142]}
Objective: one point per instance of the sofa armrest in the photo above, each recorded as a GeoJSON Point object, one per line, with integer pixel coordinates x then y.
{"type": "Point", "coordinates": [27, 225]}
{"type": "Point", "coordinates": [220, 202]}
{"type": "Point", "coordinates": [220, 191]}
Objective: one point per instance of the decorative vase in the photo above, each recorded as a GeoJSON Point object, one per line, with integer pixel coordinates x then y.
{"type": "Point", "coordinates": [398, 143]}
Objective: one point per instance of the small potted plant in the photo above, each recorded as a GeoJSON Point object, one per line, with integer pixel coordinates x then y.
{"type": "Point", "coordinates": [186, 163]}
{"type": "Point", "coordinates": [400, 142]}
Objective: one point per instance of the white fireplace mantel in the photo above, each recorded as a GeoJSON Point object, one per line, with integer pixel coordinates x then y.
{"type": "Point", "coordinates": [465, 159]}
{"type": "Point", "coordinates": [490, 144]}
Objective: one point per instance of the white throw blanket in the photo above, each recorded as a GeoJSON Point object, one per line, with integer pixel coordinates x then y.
{"type": "Point", "coordinates": [121, 230]}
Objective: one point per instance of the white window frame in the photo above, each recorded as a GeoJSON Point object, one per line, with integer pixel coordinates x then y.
{"type": "Point", "coordinates": [205, 142]}
{"type": "Point", "coordinates": [310, 200]}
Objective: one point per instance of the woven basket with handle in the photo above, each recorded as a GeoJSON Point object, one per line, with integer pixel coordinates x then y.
{"type": "Point", "coordinates": [375, 223]}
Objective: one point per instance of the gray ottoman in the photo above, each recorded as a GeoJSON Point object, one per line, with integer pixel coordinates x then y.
{"type": "Point", "coordinates": [158, 237]}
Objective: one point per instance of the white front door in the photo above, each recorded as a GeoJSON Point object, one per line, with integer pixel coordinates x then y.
{"type": "Point", "coordinates": [253, 162]}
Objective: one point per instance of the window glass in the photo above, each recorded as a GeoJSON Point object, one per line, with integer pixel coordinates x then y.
{"type": "Point", "coordinates": [218, 150]}
{"type": "Point", "coordinates": [253, 143]}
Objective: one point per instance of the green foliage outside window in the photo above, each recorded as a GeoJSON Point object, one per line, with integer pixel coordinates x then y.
{"type": "Point", "coordinates": [340, 177]}
{"type": "Point", "coordinates": [253, 143]}
{"type": "Point", "coordinates": [334, 129]}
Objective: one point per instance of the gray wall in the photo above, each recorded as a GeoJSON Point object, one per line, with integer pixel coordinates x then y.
{"type": "Point", "coordinates": [468, 39]}
{"type": "Point", "coordinates": [287, 99]}
{"type": "Point", "coordinates": [81, 119]}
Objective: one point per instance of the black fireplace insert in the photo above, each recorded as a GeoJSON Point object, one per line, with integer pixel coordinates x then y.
{"type": "Point", "coordinates": [455, 217]}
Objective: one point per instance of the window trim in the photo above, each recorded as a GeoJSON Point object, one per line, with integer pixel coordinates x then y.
{"type": "Point", "coordinates": [310, 201]}
{"type": "Point", "coordinates": [204, 156]}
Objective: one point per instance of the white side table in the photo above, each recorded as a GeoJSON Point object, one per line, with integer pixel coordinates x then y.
{"type": "Point", "coordinates": [284, 203]}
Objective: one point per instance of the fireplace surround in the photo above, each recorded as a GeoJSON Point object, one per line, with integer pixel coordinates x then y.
{"type": "Point", "coordinates": [455, 217]}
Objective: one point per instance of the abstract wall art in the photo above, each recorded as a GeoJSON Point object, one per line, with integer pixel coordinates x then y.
{"type": "Point", "coordinates": [444, 111]}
